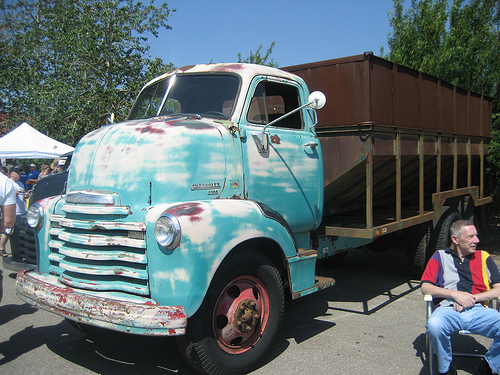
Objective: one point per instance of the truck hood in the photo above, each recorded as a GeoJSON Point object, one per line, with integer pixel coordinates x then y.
{"type": "Point", "coordinates": [151, 161]}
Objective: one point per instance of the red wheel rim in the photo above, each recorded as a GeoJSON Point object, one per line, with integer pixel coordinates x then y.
{"type": "Point", "coordinates": [241, 314]}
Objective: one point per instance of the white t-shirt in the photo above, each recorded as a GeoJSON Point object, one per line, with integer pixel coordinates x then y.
{"type": "Point", "coordinates": [20, 205]}
{"type": "Point", "coordinates": [7, 191]}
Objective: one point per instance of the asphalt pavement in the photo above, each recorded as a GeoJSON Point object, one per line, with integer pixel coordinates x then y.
{"type": "Point", "coordinates": [371, 322]}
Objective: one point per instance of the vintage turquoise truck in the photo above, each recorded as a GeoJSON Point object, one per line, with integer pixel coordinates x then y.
{"type": "Point", "coordinates": [214, 201]}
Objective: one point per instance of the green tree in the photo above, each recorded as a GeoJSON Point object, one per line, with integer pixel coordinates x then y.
{"type": "Point", "coordinates": [257, 58]}
{"type": "Point", "coordinates": [68, 64]}
{"type": "Point", "coordinates": [456, 41]}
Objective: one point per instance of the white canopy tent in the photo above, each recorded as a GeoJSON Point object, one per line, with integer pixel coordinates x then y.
{"type": "Point", "coordinates": [25, 142]}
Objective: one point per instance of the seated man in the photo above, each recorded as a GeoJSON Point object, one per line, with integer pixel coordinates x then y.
{"type": "Point", "coordinates": [462, 279]}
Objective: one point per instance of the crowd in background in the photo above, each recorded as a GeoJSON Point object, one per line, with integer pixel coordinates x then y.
{"type": "Point", "coordinates": [29, 179]}
{"type": "Point", "coordinates": [22, 183]}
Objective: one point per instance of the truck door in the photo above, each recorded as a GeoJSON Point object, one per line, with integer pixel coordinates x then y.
{"type": "Point", "coordinates": [288, 177]}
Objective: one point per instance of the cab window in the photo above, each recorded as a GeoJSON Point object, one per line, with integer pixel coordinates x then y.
{"type": "Point", "coordinates": [272, 100]}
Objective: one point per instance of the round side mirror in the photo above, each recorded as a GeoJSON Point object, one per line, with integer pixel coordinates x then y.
{"type": "Point", "coordinates": [317, 99]}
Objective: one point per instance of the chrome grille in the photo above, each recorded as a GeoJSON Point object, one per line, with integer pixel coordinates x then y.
{"type": "Point", "coordinates": [102, 255]}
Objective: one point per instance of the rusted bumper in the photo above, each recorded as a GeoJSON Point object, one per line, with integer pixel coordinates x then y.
{"type": "Point", "coordinates": [116, 311]}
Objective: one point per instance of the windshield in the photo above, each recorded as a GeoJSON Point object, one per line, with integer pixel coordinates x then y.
{"type": "Point", "coordinates": [211, 95]}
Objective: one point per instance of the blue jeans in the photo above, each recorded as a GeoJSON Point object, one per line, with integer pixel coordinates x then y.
{"type": "Point", "coordinates": [478, 319]}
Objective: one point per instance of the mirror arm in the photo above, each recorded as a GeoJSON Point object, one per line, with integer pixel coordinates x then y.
{"type": "Point", "coordinates": [288, 114]}
{"type": "Point", "coordinates": [315, 120]}
{"type": "Point", "coordinates": [317, 102]}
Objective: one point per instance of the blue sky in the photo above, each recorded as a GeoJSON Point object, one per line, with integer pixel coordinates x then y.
{"type": "Point", "coordinates": [304, 31]}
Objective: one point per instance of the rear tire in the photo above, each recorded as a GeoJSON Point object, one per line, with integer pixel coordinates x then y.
{"type": "Point", "coordinates": [480, 220]}
{"type": "Point", "coordinates": [424, 239]}
{"type": "Point", "coordinates": [239, 317]}
{"type": "Point", "coordinates": [418, 250]}
{"type": "Point", "coordinates": [443, 228]}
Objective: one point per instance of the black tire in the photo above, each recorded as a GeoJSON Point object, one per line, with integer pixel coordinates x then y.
{"type": "Point", "coordinates": [443, 228]}
{"type": "Point", "coordinates": [480, 220]}
{"type": "Point", "coordinates": [239, 317]}
{"type": "Point", "coordinates": [426, 238]}
{"type": "Point", "coordinates": [418, 251]}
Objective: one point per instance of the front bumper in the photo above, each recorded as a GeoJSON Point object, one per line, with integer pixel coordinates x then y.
{"type": "Point", "coordinates": [115, 311]}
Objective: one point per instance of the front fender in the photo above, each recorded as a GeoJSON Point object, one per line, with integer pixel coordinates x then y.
{"type": "Point", "coordinates": [210, 230]}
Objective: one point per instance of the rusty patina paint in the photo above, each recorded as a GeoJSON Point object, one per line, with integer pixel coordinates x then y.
{"type": "Point", "coordinates": [192, 210]}
{"type": "Point", "coordinates": [275, 139]}
{"type": "Point", "coordinates": [150, 128]}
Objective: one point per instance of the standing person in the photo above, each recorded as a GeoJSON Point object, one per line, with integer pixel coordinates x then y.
{"type": "Point", "coordinates": [24, 176]}
{"type": "Point", "coordinates": [8, 217]}
{"type": "Point", "coordinates": [61, 165]}
{"type": "Point", "coordinates": [462, 280]}
{"type": "Point", "coordinates": [8, 206]}
{"type": "Point", "coordinates": [32, 177]}
{"type": "Point", "coordinates": [15, 176]}
{"type": "Point", "coordinates": [45, 171]}
{"type": "Point", "coordinates": [53, 166]}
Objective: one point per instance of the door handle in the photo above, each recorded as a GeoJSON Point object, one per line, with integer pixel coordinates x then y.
{"type": "Point", "coordinates": [311, 144]}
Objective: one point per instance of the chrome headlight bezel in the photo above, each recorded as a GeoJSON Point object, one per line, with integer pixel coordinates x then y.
{"type": "Point", "coordinates": [34, 216]}
{"type": "Point", "coordinates": [168, 231]}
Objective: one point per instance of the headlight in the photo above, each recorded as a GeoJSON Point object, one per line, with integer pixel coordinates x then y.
{"type": "Point", "coordinates": [35, 216]}
{"type": "Point", "coordinates": [168, 231]}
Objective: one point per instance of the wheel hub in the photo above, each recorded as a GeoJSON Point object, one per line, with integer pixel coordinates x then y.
{"type": "Point", "coordinates": [246, 316]}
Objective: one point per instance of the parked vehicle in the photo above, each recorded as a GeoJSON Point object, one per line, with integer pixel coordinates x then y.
{"type": "Point", "coordinates": [198, 215]}
{"type": "Point", "coordinates": [53, 184]}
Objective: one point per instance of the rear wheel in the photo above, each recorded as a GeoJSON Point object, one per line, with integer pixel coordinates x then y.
{"type": "Point", "coordinates": [239, 317]}
{"type": "Point", "coordinates": [443, 228]}
{"type": "Point", "coordinates": [424, 239]}
{"type": "Point", "coordinates": [418, 250]}
{"type": "Point", "coordinates": [480, 220]}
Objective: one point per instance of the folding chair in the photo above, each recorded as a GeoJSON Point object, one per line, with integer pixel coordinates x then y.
{"type": "Point", "coordinates": [430, 358]}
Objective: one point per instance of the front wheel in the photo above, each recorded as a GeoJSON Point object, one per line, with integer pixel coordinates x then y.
{"type": "Point", "coordinates": [239, 318]}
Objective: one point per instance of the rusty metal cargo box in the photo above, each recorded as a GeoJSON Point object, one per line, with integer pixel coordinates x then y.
{"type": "Point", "coordinates": [397, 144]}
{"type": "Point", "coordinates": [368, 89]}
{"type": "Point", "coordinates": [382, 177]}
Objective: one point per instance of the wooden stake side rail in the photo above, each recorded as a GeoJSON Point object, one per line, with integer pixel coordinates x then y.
{"type": "Point", "coordinates": [404, 163]}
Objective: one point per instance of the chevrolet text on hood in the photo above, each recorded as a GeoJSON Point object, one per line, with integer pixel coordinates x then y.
{"type": "Point", "coordinates": [201, 212]}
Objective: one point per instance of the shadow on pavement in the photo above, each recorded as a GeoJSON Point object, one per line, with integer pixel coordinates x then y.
{"type": "Point", "coordinates": [461, 344]}
{"type": "Point", "coordinates": [366, 283]}
{"type": "Point", "coordinates": [11, 312]}
{"type": "Point", "coordinates": [110, 353]}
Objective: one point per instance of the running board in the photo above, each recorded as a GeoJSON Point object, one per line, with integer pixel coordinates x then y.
{"type": "Point", "coordinates": [322, 282]}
